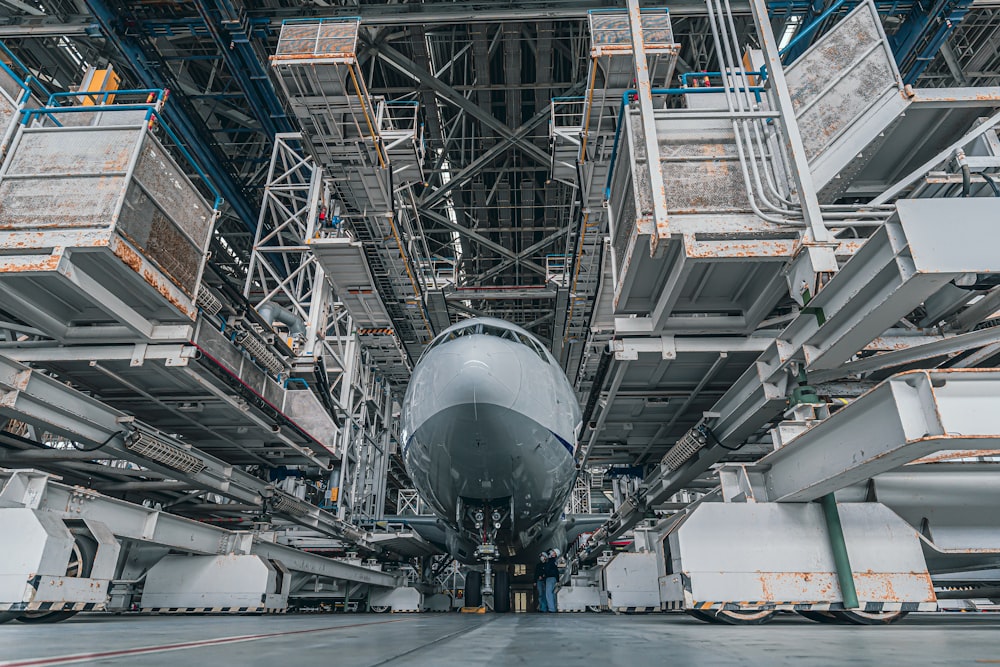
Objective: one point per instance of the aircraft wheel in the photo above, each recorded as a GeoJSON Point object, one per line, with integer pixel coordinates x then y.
{"type": "Point", "coordinates": [81, 562]}
{"type": "Point", "coordinates": [821, 617]}
{"type": "Point", "coordinates": [594, 609]}
{"type": "Point", "coordinates": [8, 616]}
{"type": "Point", "coordinates": [379, 608]}
{"type": "Point", "coordinates": [474, 589]}
{"type": "Point", "coordinates": [501, 592]}
{"type": "Point", "coordinates": [871, 617]}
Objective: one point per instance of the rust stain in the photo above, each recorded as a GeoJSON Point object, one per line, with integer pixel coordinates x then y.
{"type": "Point", "coordinates": [958, 454]}
{"type": "Point", "coordinates": [131, 258]}
{"type": "Point", "coordinates": [166, 293]}
{"type": "Point", "coordinates": [50, 263]}
{"type": "Point", "coordinates": [134, 261]}
{"type": "Point", "coordinates": [805, 586]}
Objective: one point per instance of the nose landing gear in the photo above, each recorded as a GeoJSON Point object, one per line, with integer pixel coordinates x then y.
{"type": "Point", "coordinates": [491, 584]}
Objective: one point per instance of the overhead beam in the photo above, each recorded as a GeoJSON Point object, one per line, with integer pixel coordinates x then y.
{"type": "Point", "coordinates": [446, 92]}
{"type": "Point", "coordinates": [482, 240]}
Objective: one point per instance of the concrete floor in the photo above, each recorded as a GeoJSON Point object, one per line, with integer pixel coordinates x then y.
{"type": "Point", "coordinates": [514, 639]}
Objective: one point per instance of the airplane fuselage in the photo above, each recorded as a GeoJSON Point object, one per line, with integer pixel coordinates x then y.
{"type": "Point", "coordinates": [489, 425]}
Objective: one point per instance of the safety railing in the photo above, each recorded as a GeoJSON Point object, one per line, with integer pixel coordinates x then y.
{"type": "Point", "coordinates": [120, 101]}
{"type": "Point", "coordinates": [318, 38]}
{"type": "Point", "coordinates": [610, 31]}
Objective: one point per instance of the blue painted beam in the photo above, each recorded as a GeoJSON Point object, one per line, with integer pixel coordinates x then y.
{"type": "Point", "coordinates": [231, 39]}
{"type": "Point", "coordinates": [190, 130]}
{"type": "Point", "coordinates": [915, 43]}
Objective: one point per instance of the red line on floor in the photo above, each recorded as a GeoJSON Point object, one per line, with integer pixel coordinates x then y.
{"type": "Point", "coordinates": [79, 657]}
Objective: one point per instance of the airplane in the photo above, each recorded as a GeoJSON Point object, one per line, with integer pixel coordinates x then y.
{"type": "Point", "coordinates": [489, 425]}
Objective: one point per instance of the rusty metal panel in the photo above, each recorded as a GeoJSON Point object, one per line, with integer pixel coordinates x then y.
{"type": "Point", "coordinates": [161, 178]}
{"type": "Point", "coordinates": [144, 223]}
{"type": "Point", "coordinates": [50, 203]}
{"type": "Point", "coordinates": [8, 110]}
{"type": "Point", "coordinates": [53, 152]}
{"type": "Point", "coordinates": [886, 557]}
{"type": "Point", "coordinates": [700, 166]}
{"type": "Point", "coordinates": [843, 75]}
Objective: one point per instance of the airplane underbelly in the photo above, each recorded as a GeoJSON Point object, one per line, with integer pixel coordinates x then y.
{"type": "Point", "coordinates": [485, 452]}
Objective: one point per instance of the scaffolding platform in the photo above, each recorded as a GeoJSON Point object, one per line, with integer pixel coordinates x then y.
{"type": "Point", "coordinates": [725, 264]}
{"type": "Point", "coordinates": [102, 235]}
{"type": "Point", "coordinates": [205, 390]}
{"type": "Point", "coordinates": [372, 151]}
{"type": "Point", "coordinates": [858, 119]}
{"type": "Point", "coordinates": [346, 266]}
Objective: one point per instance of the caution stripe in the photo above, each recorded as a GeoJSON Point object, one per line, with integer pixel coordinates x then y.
{"type": "Point", "coordinates": [214, 610]}
{"type": "Point", "coordinates": [635, 610]}
{"type": "Point", "coordinates": [52, 606]}
{"type": "Point", "coordinates": [376, 332]}
{"type": "Point", "coordinates": [769, 605]}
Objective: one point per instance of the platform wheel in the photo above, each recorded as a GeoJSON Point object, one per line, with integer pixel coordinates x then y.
{"type": "Point", "coordinates": [81, 562]}
{"type": "Point", "coordinates": [733, 616]}
{"type": "Point", "coordinates": [739, 617]}
{"type": "Point", "coordinates": [474, 589]}
{"type": "Point", "coordinates": [822, 617]}
{"type": "Point", "coordinates": [705, 616]}
{"type": "Point", "coordinates": [855, 617]}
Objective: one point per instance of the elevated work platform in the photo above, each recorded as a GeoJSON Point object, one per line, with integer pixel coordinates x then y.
{"type": "Point", "coordinates": [103, 236]}
{"type": "Point", "coordinates": [205, 390]}
{"type": "Point", "coordinates": [859, 122]}
{"type": "Point", "coordinates": [371, 150]}
{"type": "Point", "coordinates": [584, 133]}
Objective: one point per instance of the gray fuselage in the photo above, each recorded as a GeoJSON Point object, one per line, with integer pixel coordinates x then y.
{"type": "Point", "coordinates": [489, 420]}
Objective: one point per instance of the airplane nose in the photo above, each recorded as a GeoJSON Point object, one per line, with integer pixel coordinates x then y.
{"type": "Point", "coordinates": [486, 373]}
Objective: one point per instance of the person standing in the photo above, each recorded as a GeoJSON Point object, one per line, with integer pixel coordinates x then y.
{"type": "Point", "coordinates": [540, 582]}
{"type": "Point", "coordinates": [551, 577]}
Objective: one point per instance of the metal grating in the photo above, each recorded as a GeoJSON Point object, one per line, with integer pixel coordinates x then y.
{"type": "Point", "coordinates": [611, 29]}
{"type": "Point", "coordinates": [164, 453]}
{"type": "Point", "coordinates": [323, 38]}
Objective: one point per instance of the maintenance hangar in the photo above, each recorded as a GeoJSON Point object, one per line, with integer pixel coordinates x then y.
{"type": "Point", "coordinates": [438, 331]}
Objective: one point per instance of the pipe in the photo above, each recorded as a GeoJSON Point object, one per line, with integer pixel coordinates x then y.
{"type": "Point", "coordinates": [840, 558]}
{"type": "Point", "coordinates": [271, 312]}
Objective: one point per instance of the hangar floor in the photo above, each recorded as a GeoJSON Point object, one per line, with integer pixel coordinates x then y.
{"type": "Point", "coordinates": [530, 639]}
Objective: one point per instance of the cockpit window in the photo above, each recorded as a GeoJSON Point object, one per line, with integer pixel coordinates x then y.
{"type": "Point", "coordinates": [490, 330]}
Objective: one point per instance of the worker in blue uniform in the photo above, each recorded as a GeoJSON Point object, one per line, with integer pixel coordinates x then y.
{"type": "Point", "coordinates": [540, 581]}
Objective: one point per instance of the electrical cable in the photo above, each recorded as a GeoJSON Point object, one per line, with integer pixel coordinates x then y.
{"type": "Point", "coordinates": [111, 437]}
{"type": "Point", "coordinates": [715, 440]}
{"type": "Point", "coordinates": [993, 184]}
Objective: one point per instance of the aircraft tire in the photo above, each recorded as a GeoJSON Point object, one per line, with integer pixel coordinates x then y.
{"type": "Point", "coordinates": [474, 589]}
{"type": "Point", "coordinates": [501, 592]}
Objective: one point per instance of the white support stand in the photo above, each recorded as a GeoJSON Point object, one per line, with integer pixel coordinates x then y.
{"type": "Point", "coordinates": [403, 599]}
{"type": "Point", "coordinates": [763, 556]}
{"type": "Point", "coordinates": [229, 583]}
